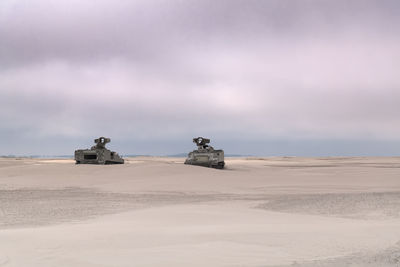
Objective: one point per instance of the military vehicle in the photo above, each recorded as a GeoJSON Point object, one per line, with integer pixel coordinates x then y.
{"type": "Point", "coordinates": [98, 154]}
{"type": "Point", "coordinates": [205, 155]}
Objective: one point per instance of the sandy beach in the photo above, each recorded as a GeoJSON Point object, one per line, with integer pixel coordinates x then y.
{"type": "Point", "coordinates": [154, 211]}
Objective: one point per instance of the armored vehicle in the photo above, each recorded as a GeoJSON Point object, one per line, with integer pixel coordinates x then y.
{"type": "Point", "coordinates": [205, 155]}
{"type": "Point", "coordinates": [98, 154]}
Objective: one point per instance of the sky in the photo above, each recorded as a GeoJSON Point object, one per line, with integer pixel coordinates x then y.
{"type": "Point", "coordinates": [265, 77]}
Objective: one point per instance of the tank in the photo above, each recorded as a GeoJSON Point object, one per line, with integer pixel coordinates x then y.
{"type": "Point", "coordinates": [205, 155]}
{"type": "Point", "coordinates": [98, 154]}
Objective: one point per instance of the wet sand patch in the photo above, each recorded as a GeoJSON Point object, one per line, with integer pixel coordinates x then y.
{"type": "Point", "coordinates": [38, 207]}
{"type": "Point", "coordinates": [389, 257]}
{"type": "Point", "coordinates": [375, 205]}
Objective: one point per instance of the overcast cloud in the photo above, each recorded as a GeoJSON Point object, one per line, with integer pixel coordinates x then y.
{"type": "Point", "coordinates": [258, 77]}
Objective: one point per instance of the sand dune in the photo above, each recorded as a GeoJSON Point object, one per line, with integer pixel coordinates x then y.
{"type": "Point", "coordinates": [158, 212]}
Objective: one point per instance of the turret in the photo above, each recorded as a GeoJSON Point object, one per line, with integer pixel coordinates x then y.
{"type": "Point", "coordinates": [202, 142]}
{"type": "Point", "coordinates": [101, 142]}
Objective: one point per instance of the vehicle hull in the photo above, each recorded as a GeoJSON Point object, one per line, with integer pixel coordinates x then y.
{"type": "Point", "coordinates": [97, 156]}
{"type": "Point", "coordinates": [212, 159]}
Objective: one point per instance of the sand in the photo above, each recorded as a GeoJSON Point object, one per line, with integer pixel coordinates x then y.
{"type": "Point", "coordinates": [159, 212]}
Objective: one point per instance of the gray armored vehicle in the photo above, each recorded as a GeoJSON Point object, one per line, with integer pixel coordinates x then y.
{"type": "Point", "coordinates": [205, 155]}
{"type": "Point", "coordinates": [98, 154]}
